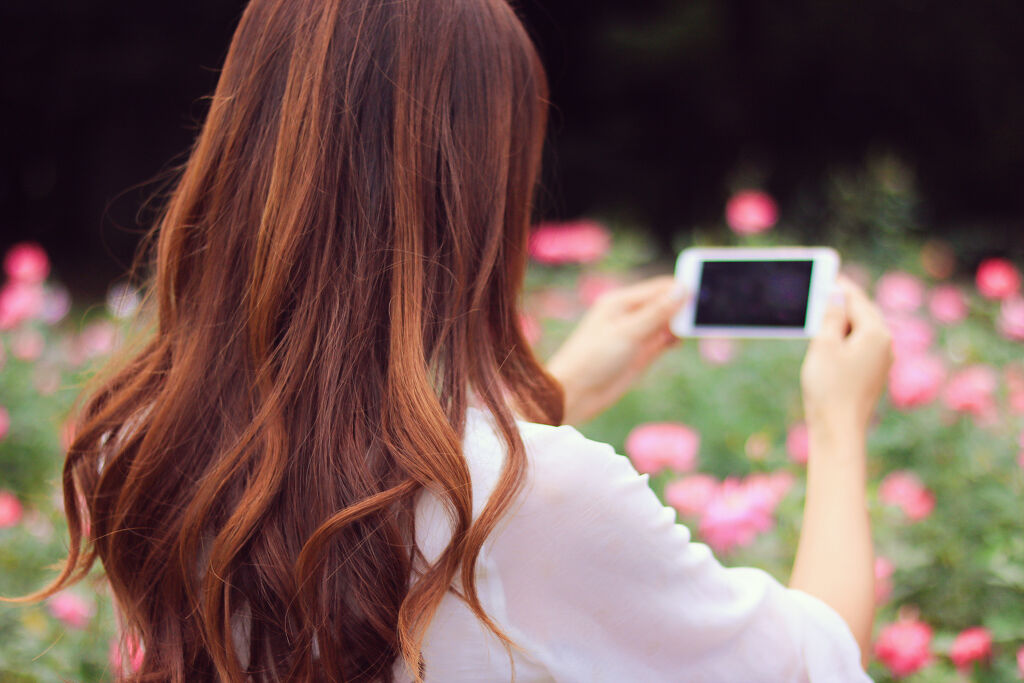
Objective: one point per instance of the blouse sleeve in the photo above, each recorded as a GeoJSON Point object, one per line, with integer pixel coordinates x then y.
{"type": "Point", "coordinates": [604, 585]}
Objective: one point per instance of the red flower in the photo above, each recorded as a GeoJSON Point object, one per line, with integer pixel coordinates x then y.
{"type": "Point", "coordinates": [971, 645]}
{"type": "Point", "coordinates": [904, 646]}
{"type": "Point", "coordinates": [582, 241]}
{"type": "Point", "coordinates": [27, 262]}
{"type": "Point", "coordinates": [997, 278]}
{"type": "Point", "coordinates": [751, 211]}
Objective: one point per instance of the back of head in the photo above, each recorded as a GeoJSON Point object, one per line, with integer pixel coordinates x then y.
{"type": "Point", "coordinates": [334, 275]}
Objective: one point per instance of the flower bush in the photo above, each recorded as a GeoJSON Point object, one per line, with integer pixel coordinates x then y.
{"type": "Point", "coordinates": [717, 424]}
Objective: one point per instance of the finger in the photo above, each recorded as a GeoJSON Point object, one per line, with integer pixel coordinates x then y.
{"type": "Point", "coordinates": [653, 316]}
{"type": "Point", "coordinates": [835, 318]}
{"type": "Point", "coordinates": [864, 314]}
{"type": "Point", "coordinates": [637, 294]}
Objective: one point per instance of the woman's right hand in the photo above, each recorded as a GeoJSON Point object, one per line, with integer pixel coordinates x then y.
{"type": "Point", "coordinates": [847, 364]}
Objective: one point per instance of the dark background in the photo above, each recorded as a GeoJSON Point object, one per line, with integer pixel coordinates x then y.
{"type": "Point", "coordinates": [662, 108]}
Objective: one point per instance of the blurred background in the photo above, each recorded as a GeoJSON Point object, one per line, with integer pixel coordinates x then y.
{"type": "Point", "coordinates": [893, 131]}
{"type": "Point", "coordinates": [661, 109]}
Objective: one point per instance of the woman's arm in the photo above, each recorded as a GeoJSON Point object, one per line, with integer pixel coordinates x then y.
{"type": "Point", "coordinates": [843, 375]}
{"type": "Point", "coordinates": [621, 334]}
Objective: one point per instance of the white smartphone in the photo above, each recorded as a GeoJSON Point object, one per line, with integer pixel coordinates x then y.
{"type": "Point", "coordinates": [762, 292]}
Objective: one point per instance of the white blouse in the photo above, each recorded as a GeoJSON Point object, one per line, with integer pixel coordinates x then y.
{"type": "Point", "coordinates": [593, 578]}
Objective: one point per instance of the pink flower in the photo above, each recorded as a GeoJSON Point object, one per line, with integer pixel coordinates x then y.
{"type": "Point", "coordinates": [716, 351]}
{"type": "Point", "coordinates": [19, 301]}
{"type": "Point", "coordinates": [971, 645]}
{"type": "Point", "coordinates": [757, 446]}
{"type": "Point", "coordinates": [910, 334]}
{"type": "Point", "coordinates": [972, 390]}
{"type": "Point", "coordinates": [915, 380]}
{"type": "Point", "coordinates": [10, 509]}
{"type": "Point", "coordinates": [905, 490]}
{"type": "Point", "coordinates": [947, 305]}
{"type": "Point", "coordinates": [592, 287]}
{"type": "Point", "coordinates": [735, 515]}
{"type": "Point", "coordinates": [71, 609]}
{"type": "Point", "coordinates": [1011, 318]}
{"type": "Point", "coordinates": [690, 495]}
{"type": "Point", "coordinates": [5, 422]}
{"type": "Point", "coordinates": [97, 339]}
{"type": "Point", "coordinates": [1020, 661]}
{"type": "Point", "coordinates": [798, 443]}
{"type": "Point", "coordinates": [997, 278]}
{"type": "Point", "coordinates": [530, 327]}
{"type": "Point", "coordinates": [775, 486]}
{"type": "Point", "coordinates": [27, 262]}
{"type": "Point", "coordinates": [656, 445]}
{"type": "Point", "coordinates": [751, 211]}
{"type": "Point", "coordinates": [28, 344]}
{"type": "Point", "coordinates": [899, 292]}
{"type": "Point", "coordinates": [904, 646]}
{"type": "Point", "coordinates": [883, 579]}
{"type": "Point", "coordinates": [581, 241]}
{"type": "Point", "coordinates": [117, 658]}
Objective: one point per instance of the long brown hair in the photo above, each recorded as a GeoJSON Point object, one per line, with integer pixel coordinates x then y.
{"type": "Point", "coordinates": [335, 275]}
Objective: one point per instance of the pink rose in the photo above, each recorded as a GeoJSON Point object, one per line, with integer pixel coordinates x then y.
{"type": "Point", "coordinates": [997, 279]}
{"type": "Point", "coordinates": [716, 351]}
{"type": "Point", "coordinates": [581, 241]}
{"type": "Point", "coordinates": [971, 645]}
{"type": "Point", "coordinates": [134, 651]}
{"type": "Point", "coordinates": [1011, 318]}
{"type": "Point", "coordinates": [27, 262]}
{"type": "Point", "coordinates": [972, 390]}
{"type": "Point", "coordinates": [910, 334]}
{"type": "Point", "coordinates": [883, 579]}
{"type": "Point", "coordinates": [904, 646]}
{"type": "Point", "coordinates": [530, 328]}
{"type": "Point", "coordinates": [5, 422]}
{"type": "Point", "coordinates": [899, 292]}
{"type": "Point", "coordinates": [690, 495]}
{"type": "Point", "coordinates": [656, 445]}
{"type": "Point", "coordinates": [947, 305]}
{"type": "Point", "coordinates": [10, 510]}
{"type": "Point", "coordinates": [905, 490]}
{"type": "Point", "coordinates": [798, 443]}
{"type": "Point", "coordinates": [774, 486]}
{"type": "Point", "coordinates": [751, 211]}
{"type": "Point", "coordinates": [71, 609]}
{"type": "Point", "coordinates": [915, 380]}
{"type": "Point", "coordinates": [735, 515]}
{"type": "Point", "coordinates": [19, 301]}
{"type": "Point", "coordinates": [592, 287]}
{"type": "Point", "coordinates": [97, 339]}
{"type": "Point", "coordinates": [28, 344]}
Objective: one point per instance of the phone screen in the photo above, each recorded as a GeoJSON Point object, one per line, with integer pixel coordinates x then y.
{"type": "Point", "coordinates": [754, 293]}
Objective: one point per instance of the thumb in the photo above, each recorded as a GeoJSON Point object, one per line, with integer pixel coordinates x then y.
{"type": "Point", "coordinates": [835, 319]}
{"type": "Point", "coordinates": [655, 314]}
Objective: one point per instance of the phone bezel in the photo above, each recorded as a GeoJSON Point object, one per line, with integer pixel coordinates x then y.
{"type": "Point", "coordinates": [689, 267]}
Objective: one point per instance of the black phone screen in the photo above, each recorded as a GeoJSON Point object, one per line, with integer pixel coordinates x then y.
{"type": "Point", "coordinates": [754, 293]}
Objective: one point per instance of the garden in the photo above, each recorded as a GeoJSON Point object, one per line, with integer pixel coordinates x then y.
{"type": "Point", "coordinates": [716, 423]}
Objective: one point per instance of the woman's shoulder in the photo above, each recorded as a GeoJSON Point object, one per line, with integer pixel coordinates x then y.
{"type": "Point", "coordinates": [561, 463]}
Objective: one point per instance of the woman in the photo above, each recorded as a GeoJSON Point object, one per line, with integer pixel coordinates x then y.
{"type": "Point", "coordinates": [335, 458]}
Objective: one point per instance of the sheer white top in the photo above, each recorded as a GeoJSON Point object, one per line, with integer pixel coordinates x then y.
{"type": "Point", "coordinates": [591, 575]}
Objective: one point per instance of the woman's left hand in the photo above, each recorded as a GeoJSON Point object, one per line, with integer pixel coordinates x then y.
{"type": "Point", "coordinates": [618, 337]}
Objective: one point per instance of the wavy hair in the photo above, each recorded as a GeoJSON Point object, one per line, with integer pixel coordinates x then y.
{"type": "Point", "coordinates": [334, 278]}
